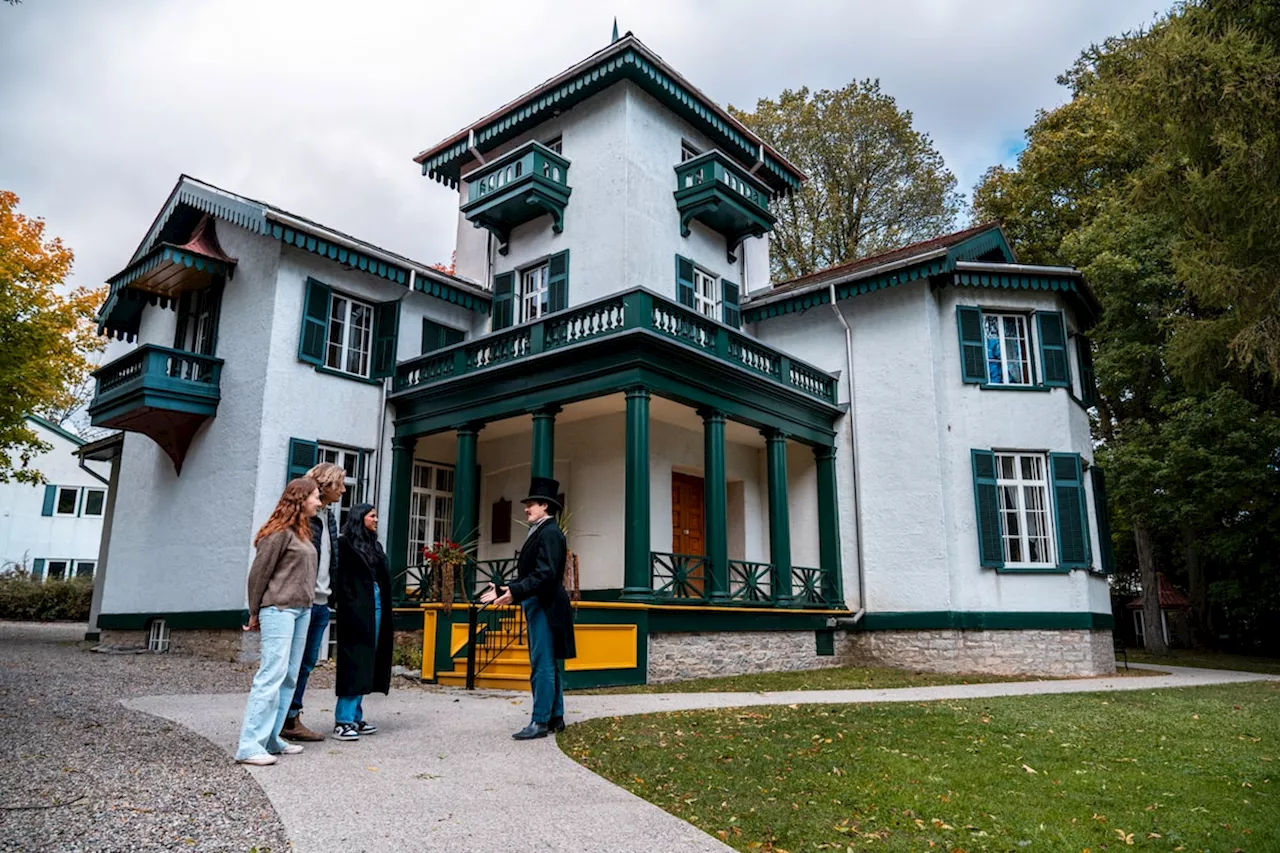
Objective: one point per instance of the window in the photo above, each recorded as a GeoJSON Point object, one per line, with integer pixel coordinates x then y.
{"type": "Point", "coordinates": [717, 298]}
{"type": "Point", "coordinates": [705, 298]}
{"type": "Point", "coordinates": [158, 636]}
{"type": "Point", "coordinates": [1031, 512]}
{"type": "Point", "coordinates": [56, 570]}
{"type": "Point", "coordinates": [197, 329]}
{"type": "Point", "coordinates": [688, 151]}
{"type": "Point", "coordinates": [355, 464]}
{"type": "Point", "coordinates": [555, 144]}
{"type": "Point", "coordinates": [93, 501]}
{"type": "Point", "coordinates": [348, 336]}
{"type": "Point", "coordinates": [436, 336]}
{"type": "Point", "coordinates": [1008, 348]}
{"type": "Point", "coordinates": [1024, 508]}
{"type": "Point", "coordinates": [430, 507]}
{"type": "Point", "coordinates": [522, 296]}
{"type": "Point", "coordinates": [68, 500]}
{"type": "Point", "coordinates": [85, 568]}
{"type": "Point", "coordinates": [1004, 349]}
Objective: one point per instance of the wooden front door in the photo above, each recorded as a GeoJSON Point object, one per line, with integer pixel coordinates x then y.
{"type": "Point", "coordinates": [688, 533]}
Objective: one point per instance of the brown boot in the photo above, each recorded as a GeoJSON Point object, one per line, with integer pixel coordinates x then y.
{"type": "Point", "coordinates": [293, 729]}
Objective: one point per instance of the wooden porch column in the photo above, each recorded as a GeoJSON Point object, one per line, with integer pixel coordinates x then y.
{"type": "Point", "coordinates": [717, 504]}
{"type": "Point", "coordinates": [779, 516]}
{"type": "Point", "coordinates": [398, 557]}
{"type": "Point", "coordinates": [544, 442]}
{"type": "Point", "coordinates": [466, 490]}
{"type": "Point", "coordinates": [637, 582]}
{"type": "Point", "coordinates": [829, 526]}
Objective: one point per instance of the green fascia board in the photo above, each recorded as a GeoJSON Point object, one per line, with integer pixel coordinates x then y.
{"type": "Point", "coordinates": [986, 621]}
{"type": "Point", "coordinates": [598, 367]}
{"type": "Point", "coordinates": [628, 64]}
{"type": "Point", "coordinates": [191, 620]}
{"type": "Point", "coordinates": [166, 253]}
{"type": "Point", "coordinates": [452, 295]}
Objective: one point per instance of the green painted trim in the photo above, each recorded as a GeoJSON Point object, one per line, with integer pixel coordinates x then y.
{"type": "Point", "coordinates": [141, 379]}
{"type": "Point", "coordinates": [54, 428]}
{"type": "Point", "coordinates": [543, 456]}
{"type": "Point", "coordinates": [192, 620]}
{"type": "Point", "coordinates": [404, 619]}
{"type": "Point", "coordinates": [398, 519]}
{"type": "Point", "coordinates": [779, 516]}
{"type": "Point", "coordinates": [825, 642]}
{"type": "Point", "coordinates": [363, 380]}
{"type": "Point", "coordinates": [716, 505]}
{"type": "Point", "coordinates": [466, 489]}
{"type": "Point", "coordinates": [1034, 570]}
{"type": "Point", "coordinates": [988, 387]}
{"type": "Point", "coordinates": [725, 619]}
{"type": "Point", "coordinates": [986, 620]}
{"type": "Point", "coordinates": [636, 577]}
{"type": "Point", "coordinates": [726, 198]}
{"type": "Point", "coordinates": [527, 182]}
{"type": "Point", "coordinates": [607, 595]}
{"type": "Point", "coordinates": [604, 678]}
{"type": "Point", "coordinates": [829, 524]}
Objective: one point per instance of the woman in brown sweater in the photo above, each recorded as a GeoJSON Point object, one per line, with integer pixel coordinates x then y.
{"type": "Point", "coordinates": [282, 582]}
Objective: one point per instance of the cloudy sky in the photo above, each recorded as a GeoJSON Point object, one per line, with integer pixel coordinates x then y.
{"type": "Point", "coordinates": [319, 106]}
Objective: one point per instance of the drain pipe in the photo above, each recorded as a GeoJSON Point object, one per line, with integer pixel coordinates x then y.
{"type": "Point", "coordinates": [853, 453]}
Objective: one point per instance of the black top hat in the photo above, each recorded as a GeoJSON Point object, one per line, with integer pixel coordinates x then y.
{"type": "Point", "coordinates": [544, 490]}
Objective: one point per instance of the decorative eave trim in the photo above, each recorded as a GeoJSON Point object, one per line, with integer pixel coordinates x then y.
{"type": "Point", "coordinates": [626, 59]}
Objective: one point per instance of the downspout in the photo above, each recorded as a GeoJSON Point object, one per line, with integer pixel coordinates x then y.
{"type": "Point", "coordinates": [92, 473]}
{"type": "Point", "coordinates": [853, 453]}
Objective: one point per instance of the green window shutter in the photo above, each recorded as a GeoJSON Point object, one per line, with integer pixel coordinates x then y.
{"type": "Point", "coordinates": [684, 281]}
{"type": "Point", "coordinates": [303, 455]}
{"type": "Point", "coordinates": [1102, 512]}
{"type": "Point", "coordinates": [503, 300]}
{"type": "Point", "coordinates": [1053, 349]}
{"type": "Point", "coordinates": [973, 357]}
{"type": "Point", "coordinates": [1088, 381]}
{"type": "Point", "coordinates": [315, 323]}
{"type": "Point", "coordinates": [436, 336]}
{"type": "Point", "coordinates": [558, 282]}
{"type": "Point", "coordinates": [50, 496]}
{"type": "Point", "coordinates": [986, 496]}
{"type": "Point", "coordinates": [37, 568]}
{"type": "Point", "coordinates": [729, 303]}
{"type": "Point", "coordinates": [386, 330]}
{"type": "Point", "coordinates": [1069, 507]}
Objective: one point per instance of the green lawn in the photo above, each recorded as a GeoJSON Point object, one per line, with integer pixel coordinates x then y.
{"type": "Point", "coordinates": [836, 678]}
{"type": "Point", "coordinates": [1187, 769]}
{"type": "Point", "coordinates": [1209, 660]}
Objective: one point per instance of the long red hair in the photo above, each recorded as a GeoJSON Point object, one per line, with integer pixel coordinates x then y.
{"type": "Point", "coordinates": [288, 512]}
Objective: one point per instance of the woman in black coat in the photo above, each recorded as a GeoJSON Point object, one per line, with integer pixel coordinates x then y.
{"type": "Point", "coordinates": [362, 598]}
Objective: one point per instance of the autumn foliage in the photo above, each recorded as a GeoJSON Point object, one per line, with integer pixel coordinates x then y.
{"type": "Point", "coordinates": [46, 334]}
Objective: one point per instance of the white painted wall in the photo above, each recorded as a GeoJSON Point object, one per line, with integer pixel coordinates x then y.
{"type": "Point", "coordinates": [26, 534]}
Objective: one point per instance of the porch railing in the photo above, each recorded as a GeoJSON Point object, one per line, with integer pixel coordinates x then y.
{"type": "Point", "coordinates": [637, 309]}
{"type": "Point", "coordinates": [417, 583]}
{"type": "Point", "coordinates": [686, 578]}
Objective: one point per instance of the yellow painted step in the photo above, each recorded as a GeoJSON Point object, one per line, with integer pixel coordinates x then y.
{"type": "Point", "coordinates": [487, 681]}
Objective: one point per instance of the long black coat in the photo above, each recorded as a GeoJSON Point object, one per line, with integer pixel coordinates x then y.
{"type": "Point", "coordinates": [361, 668]}
{"type": "Point", "coordinates": [540, 574]}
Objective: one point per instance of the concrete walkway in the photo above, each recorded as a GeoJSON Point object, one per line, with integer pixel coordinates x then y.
{"type": "Point", "coordinates": [443, 773]}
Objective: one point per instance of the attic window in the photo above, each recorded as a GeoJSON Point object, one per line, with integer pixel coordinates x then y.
{"type": "Point", "coordinates": [687, 151]}
{"type": "Point", "coordinates": [555, 144]}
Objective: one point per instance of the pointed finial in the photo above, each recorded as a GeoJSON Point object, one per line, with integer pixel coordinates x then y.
{"type": "Point", "coordinates": [615, 29]}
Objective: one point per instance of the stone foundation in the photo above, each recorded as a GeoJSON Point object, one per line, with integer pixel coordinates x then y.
{"type": "Point", "coordinates": [1058, 653]}
{"type": "Point", "coordinates": [680, 656]}
{"type": "Point", "coordinates": [216, 644]}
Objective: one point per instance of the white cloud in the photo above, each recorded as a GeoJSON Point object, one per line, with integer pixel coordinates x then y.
{"type": "Point", "coordinates": [318, 105]}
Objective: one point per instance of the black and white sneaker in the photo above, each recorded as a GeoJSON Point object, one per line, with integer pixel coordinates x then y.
{"type": "Point", "coordinates": [366, 728]}
{"type": "Point", "coordinates": [346, 731]}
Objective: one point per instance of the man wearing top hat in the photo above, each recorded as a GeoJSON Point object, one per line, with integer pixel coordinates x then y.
{"type": "Point", "coordinates": [539, 590]}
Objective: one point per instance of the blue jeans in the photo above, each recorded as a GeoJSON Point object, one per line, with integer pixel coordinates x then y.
{"type": "Point", "coordinates": [544, 669]}
{"type": "Point", "coordinates": [284, 636]}
{"type": "Point", "coordinates": [319, 621]}
{"type": "Point", "coordinates": [350, 709]}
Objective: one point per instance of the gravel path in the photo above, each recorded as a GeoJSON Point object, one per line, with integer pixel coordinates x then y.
{"type": "Point", "coordinates": [80, 772]}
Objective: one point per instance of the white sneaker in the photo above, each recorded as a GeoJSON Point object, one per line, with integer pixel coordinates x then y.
{"type": "Point", "coordinates": [263, 760]}
{"type": "Point", "coordinates": [290, 749]}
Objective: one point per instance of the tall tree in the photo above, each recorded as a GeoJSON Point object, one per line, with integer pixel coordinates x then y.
{"type": "Point", "coordinates": [875, 182]}
{"type": "Point", "coordinates": [45, 335]}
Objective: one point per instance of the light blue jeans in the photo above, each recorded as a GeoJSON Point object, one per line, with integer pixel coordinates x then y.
{"type": "Point", "coordinates": [350, 709]}
{"type": "Point", "coordinates": [284, 639]}
{"type": "Point", "coordinates": [544, 669]}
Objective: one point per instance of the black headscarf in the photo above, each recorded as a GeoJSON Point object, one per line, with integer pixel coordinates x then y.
{"type": "Point", "coordinates": [364, 540]}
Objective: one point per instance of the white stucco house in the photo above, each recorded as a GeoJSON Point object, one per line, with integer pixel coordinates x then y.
{"type": "Point", "coordinates": [53, 530]}
{"type": "Point", "coordinates": [888, 460]}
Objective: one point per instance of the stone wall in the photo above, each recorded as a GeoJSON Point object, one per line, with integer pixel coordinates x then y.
{"type": "Point", "coordinates": [680, 656]}
{"type": "Point", "coordinates": [227, 645]}
{"type": "Point", "coordinates": [1057, 653]}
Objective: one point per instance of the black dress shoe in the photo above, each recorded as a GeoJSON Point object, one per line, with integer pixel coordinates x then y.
{"type": "Point", "coordinates": [555, 725]}
{"type": "Point", "coordinates": [531, 731]}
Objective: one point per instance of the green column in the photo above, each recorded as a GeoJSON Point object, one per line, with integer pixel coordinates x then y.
{"type": "Point", "coordinates": [398, 517]}
{"type": "Point", "coordinates": [465, 487]}
{"type": "Point", "coordinates": [637, 581]}
{"type": "Point", "coordinates": [716, 500]}
{"type": "Point", "coordinates": [779, 516]}
{"type": "Point", "coordinates": [829, 526]}
{"type": "Point", "coordinates": [544, 441]}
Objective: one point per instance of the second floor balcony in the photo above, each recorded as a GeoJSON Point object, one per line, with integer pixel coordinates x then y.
{"type": "Point", "coordinates": [519, 186]}
{"type": "Point", "coordinates": [714, 190]}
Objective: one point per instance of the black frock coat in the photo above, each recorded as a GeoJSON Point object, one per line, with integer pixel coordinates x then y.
{"type": "Point", "coordinates": [362, 669]}
{"type": "Point", "coordinates": [540, 574]}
